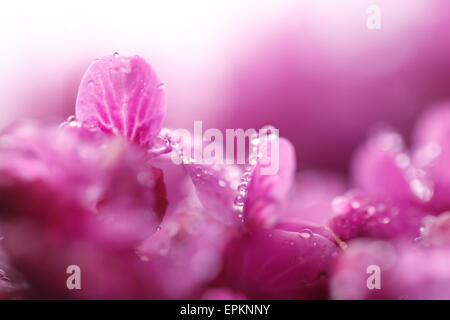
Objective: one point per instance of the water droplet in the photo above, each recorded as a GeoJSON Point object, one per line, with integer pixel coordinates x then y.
{"type": "Point", "coordinates": [306, 234]}
{"type": "Point", "coordinates": [385, 220]}
{"type": "Point", "coordinates": [116, 55]}
{"type": "Point", "coordinates": [247, 177]}
{"type": "Point", "coordinates": [222, 183]}
{"type": "Point", "coordinates": [340, 205]}
{"type": "Point", "coordinates": [356, 205]}
{"type": "Point", "coordinates": [242, 187]}
{"type": "Point", "coordinates": [420, 190]}
{"type": "Point", "coordinates": [160, 146]}
{"type": "Point", "coordinates": [239, 201]}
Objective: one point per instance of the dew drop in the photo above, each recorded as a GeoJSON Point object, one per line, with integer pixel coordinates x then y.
{"type": "Point", "coordinates": [420, 190]}
{"type": "Point", "coordinates": [247, 177]}
{"type": "Point", "coordinates": [222, 183]}
{"type": "Point", "coordinates": [239, 201]}
{"type": "Point", "coordinates": [385, 220]}
{"type": "Point", "coordinates": [340, 205]}
{"type": "Point", "coordinates": [306, 234]}
{"type": "Point", "coordinates": [242, 187]}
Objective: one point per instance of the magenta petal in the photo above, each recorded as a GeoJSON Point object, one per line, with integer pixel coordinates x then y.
{"type": "Point", "coordinates": [12, 285]}
{"type": "Point", "coordinates": [124, 95]}
{"type": "Point", "coordinates": [51, 181]}
{"type": "Point", "coordinates": [288, 262]}
{"type": "Point", "coordinates": [359, 215]}
{"type": "Point", "coordinates": [432, 152]}
{"type": "Point", "coordinates": [349, 275]}
{"type": "Point", "coordinates": [222, 294]}
{"type": "Point", "coordinates": [267, 193]}
{"type": "Point", "coordinates": [310, 199]}
{"type": "Point", "coordinates": [216, 187]}
{"type": "Point", "coordinates": [436, 230]}
{"type": "Point", "coordinates": [185, 255]}
{"type": "Point", "coordinates": [383, 168]}
{"type": "Point", "coordinates": [407, 272]}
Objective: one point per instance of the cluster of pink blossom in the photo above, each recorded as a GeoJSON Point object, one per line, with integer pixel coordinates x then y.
{"type": "Point", "coordinates": [101, 192]}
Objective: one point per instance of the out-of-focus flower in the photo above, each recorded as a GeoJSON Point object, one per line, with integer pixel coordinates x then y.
{"type": "Point", "coordinates": [359, 215]}
{"type": "Point", "coordinates": [186, 254]}
{"type": "Point", "coordinates": [407, 272]}
{"type": "Point", "coordinates": [383, 167]}
{"type": "Point", "coordinates": [74, 195]}
{"type": "Point", "coordinates": [311, 196]}
{"type": "Point", "coordinates": [60, 210]}
{"type": "Point", "coordinates": [432, 152]}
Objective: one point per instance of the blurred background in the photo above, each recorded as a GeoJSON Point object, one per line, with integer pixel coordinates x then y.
{"type": "Point", "coordinates": [312, 68]}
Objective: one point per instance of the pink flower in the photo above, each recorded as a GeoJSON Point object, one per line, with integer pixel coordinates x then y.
{"type": "Point", "coordinates": [77, 196]}
{"type": "Point", "coordinates": [432, 152]}
{"type": "Point", "coordinates": [359, 215]}
{"type": "Point", "coordinates": [186, 254]}
{"type": "Point", "coordinates": [406, 272]}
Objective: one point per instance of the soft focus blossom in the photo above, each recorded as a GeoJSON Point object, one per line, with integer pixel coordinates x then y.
{"type": "Point", "coordinates": [101, 192]}
{"type": "Point", "coordinates": [407, 272]}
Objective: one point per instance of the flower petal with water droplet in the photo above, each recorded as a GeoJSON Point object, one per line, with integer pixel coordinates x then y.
{"type": "Point", "coordinates": [266, 193]}
{"type": "Point", "coordinates": [123, 95]}
{"type": "Point", "coordinates": [281, 263]}
{"type": "Point", "coordinates": [359, 215]}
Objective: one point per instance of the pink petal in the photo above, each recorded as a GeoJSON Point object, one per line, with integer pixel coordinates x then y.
{"type": "Point", "coordinates": [436, 230]}
{"type": "Point", "coordinates": [267, 193]}
{"type": "Point", "coordinates": [123, 95]}
{"type": "Point", "coordinates": [51, 183]}
{"type": "Point", "coordinates": [432, 152]}
{"type": "Point", "coordinates": [185, 255]}
{"type": "Point", "coordinates": [359, 215]}
{"type": "Point", "coordinates": [222, 294]}
{"type": "Point", "coordinates": [216, 187]}
{"type": "Point", "coordinates": [349, 274]}
{"type": "Point", "coordinates": [288, 262]}
{"type": "Point", "coordinates": [383, 168]}
{"type": "Point", "coordinates": [310, 199]}
{"type": "Point", "coordinates": [407, 272]}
